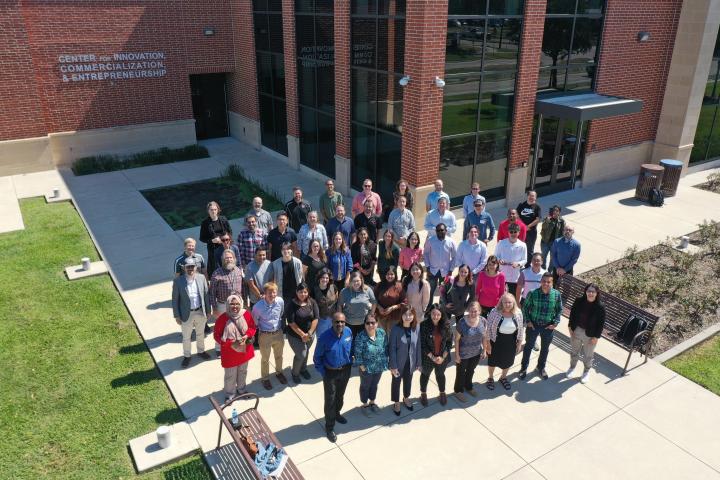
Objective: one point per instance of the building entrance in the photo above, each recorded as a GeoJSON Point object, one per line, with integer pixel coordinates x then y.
{"type": "Point", "coordinates": [209, 103]}
{"type": "Point", "coordinates": [560, 152]}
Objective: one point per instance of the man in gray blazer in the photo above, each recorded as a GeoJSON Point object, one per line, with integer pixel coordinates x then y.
{"type": "Point", "coordinates": [287, 273]}
{"type": "Point", "coordinates": [191, 307]}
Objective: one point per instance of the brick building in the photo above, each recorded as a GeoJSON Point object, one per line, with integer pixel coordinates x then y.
{"type": "Point", "coordinates": [513, 94]}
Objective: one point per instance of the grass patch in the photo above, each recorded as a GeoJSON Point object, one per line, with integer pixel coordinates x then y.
{"type": "Point", "coordinates": [77, 380]}
{"type": "Point", "coordinates": [183, 206]}
{"type": "Point", "coordinates": [700, 364]}
{"type": "Point", "coordinates": [111, 163]}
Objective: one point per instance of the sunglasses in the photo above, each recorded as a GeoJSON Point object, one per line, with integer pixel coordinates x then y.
{"type": "Point", "coordinates": [227, 239]}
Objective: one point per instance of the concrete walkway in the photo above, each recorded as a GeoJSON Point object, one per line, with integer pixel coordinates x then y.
{"type": "Point", "coordinates": [541, 429]}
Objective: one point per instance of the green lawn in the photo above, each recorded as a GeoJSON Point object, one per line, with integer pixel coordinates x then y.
{"type": "Point", "coordinates": [700, 364]}
{"type": "Point", "coordinates": [77, 381]}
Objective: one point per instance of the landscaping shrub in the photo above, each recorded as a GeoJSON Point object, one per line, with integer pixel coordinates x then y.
{"type": "Point", "coordinates": [111, 163]}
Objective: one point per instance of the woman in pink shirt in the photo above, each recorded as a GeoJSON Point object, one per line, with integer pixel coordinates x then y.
{"type": "Point", "coordinates": [410, 253]}
{"type": "Point", "coordinates": [490, 285]}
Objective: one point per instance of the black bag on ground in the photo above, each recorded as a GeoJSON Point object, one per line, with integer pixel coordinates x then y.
{"type": "Point", "coordinates": [632, 326]}
{"type": "Point", "coordinates": [656, 197]}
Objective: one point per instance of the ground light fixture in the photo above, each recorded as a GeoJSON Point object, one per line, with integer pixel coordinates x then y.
{"type": "Point", "coordinates": [439, 82]}
{"type": "Point", "coordinates": [404, 80]}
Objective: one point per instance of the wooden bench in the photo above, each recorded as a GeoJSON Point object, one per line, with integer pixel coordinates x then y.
{"type": "Point", "coordinates": [260, 433]}
{"type": "Point", "coordinates": [617, 311]}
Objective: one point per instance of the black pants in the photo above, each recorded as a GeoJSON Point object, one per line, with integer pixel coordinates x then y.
{"type": "Point", "coordinates": [512, 287]}
{"type": "Point", "coordinates": [439, 377]}
{"type": "Point", "coordinates": [530, 240]}
{"type": "Point", "coordinates": [355, 329]}
{"type": "Point", "coordinates": [433, 280]}
{"type": "Point", "coordinates": [406, 379]}
{"type": "Point", "coordinates": [334, 383]}
{"type": "Point", "coordinates": [464, 375]}
{"type": "Point", "coordinates": [556, 277]}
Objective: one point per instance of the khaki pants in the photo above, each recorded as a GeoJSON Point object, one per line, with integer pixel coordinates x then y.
{"type": "Point", "coordinates": [235, 379]}
{"type": "Point", "coordinates": [197, 320]}
{"type": "Point", "coordinates": [267, 341]}
{"type": "Point", "coordinates": [581, 342]}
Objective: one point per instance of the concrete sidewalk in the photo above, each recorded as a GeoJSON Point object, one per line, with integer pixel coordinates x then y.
{"type": "Point", "coordinates": [650, 424]}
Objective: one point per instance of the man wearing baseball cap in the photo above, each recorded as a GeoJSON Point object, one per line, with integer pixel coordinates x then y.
{"type": "Point", "coordinates": [191, 307]}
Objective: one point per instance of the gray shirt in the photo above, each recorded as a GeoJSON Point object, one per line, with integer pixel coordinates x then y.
{"type": "Point", "coordinates": [401, 223]}
{"type": "Point", "coordinates": [356, 305]}
{"type": "Point", "coordinates": [264, 219]}
{"type": "Point", "coordinates": [260, 274]}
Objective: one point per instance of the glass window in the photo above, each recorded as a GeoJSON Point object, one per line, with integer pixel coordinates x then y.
{"type": "Point", "coordinates": [363, 42]}
{"type": "Point", "coordinates": [586, 40]}
{"type": "Point", "coordinates": [260, 5]}
{"type": "Point", "coordinates": [267, 122]}
{"type": "Point", "coordinates": [364, 7]}
{"type": "Point", "coordinates": [281, 127]}
{"type": "Point", "coordinates": [308, 137]}
{"type": "Point", "coordinates": [590, 6]}
{"type": "Point", "coordinates": [324, 6]}
{"type": "Point", "coordinates": [503, 44]}
{"type": "Point", "coordinates": [467, 7]}
{"type": "Point", "coordinates": [363, 157]}
{"type": "Point", "coordinates": [278, 68]}
{"type": "Point", "coordinates": [464, 46]}
{"type": "Point", "coordinates": [551, 79]}
{"type": "Point", "coordinates": [306, 83]}
{"type": "Point", "coordinates": [262, 35]}
{"type": "Point", "coordinates": [556, 41]}
{"type": "Point", "coordinates": [275, 5]}
{"type": "Point", "coordinates": [364, 96]}
{"type": "Point", "coordinates": [264, 72]}
{"type": "Point", "coordinates": [457, 156]}
{"type": "Point", "coordinates": [580, 77]}
{"type": "Point", "coordinates": [506, 7]}
{"type": "Point", "coordinates": [325, 77]}
{"type": "Point", "coordinates": [326, 144]}
{"type": "Point", "coordinates": [491, 163]}
{"type": "Point", "coordinates": [389, 102]}
{"type": "Point", "coordinates": [496, 104]}
{"type": "Point", "coordinates": [561, 6]}
{"type": "Point", "coordinates": [304, 6]}
{"type": "Point", "coordinates": [305, 36]}
{"type": "Point", "coordinates": [460, 104]}
{"type": "Point", "coordinates": [276, 33]}
{"type": "Point", "coordinates": [388, 163]}
{"type": "Point", "coordinates": [707, 136]}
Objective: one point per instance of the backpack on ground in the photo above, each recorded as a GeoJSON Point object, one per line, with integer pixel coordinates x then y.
{"type": "Point", "coordinates": [656, 197]}
{"type": "Point", "coordinates": [632, 326]}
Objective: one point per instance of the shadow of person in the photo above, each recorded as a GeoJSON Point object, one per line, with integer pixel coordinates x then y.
{"type": "Point", "coordinates": [543, 390]}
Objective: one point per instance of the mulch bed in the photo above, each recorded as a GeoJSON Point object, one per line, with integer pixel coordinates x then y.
{"type": "Point", "coordinates": [712, 185]}
{"type": "Point", "coordinates": [683, 289]}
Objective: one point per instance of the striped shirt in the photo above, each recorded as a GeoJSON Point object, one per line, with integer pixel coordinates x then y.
{"type": "Point", "coordinates": [225, 283]}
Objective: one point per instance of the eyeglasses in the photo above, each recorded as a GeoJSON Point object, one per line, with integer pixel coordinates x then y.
{"type": "Point", "coordinates": [367, 186]}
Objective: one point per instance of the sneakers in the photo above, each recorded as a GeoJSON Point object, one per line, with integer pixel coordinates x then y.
{"type": "Point", "coordinates": [330, 435]}
{"type": "Point", "coordinates": [585, 377]}
{"type": "Point", "coordinates": [204, 355]}
{"type": "Point", "coordinates": [522, 374]}
{"type": "Point", "coordinates": [443, 399]}
{"type": "Point", "coordinates": [569, 373]}
{"type": "Point", "coordinates": [305, 374]}
{"type": "Point", "coordinates": [543, 373]}
{"type": "Point", "coordinates": [461, 397]}
{"type": "Point", "coordinates": [340, 419]}
{"type": "Point", "coordinates": [423, 399]}
{"type": "Point", "coordinates": [185, 362]}
{"type": "Point", "coordinates": [281, 378]}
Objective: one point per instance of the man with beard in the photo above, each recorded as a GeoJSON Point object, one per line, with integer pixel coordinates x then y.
{"type": "Point", "coordinates": [440, 252]}
{"type": "Point", "coordinates": [225, 281]}
{"type": "Point", "coordinates": [333, 360]}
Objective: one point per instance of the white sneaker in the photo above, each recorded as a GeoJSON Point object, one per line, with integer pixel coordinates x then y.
{"type": "Point", "coordinates": [569, 373]}
{"type": "Point", "coordinates": [585, 377]}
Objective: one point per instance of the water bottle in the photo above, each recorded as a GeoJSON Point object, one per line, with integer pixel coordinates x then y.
{"type": "Point", "coordinates": [235, 418]}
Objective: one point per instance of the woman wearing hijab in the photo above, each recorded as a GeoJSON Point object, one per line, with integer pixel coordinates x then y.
{"type": "Point", "coordinates": [234, 331]}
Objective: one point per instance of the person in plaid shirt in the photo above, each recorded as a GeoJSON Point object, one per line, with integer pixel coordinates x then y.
{"type": "Point", "coordinates": [226, 280]}
{"type": "Point", "coordinates": [250, 240]}
{"type": "Point", "coordinates": [541, 312]}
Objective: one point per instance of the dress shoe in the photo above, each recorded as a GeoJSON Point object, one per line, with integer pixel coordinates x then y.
{"type": "Point", "coordinates": [423, 399]}
{"type": "Point", "coordinates": [443, 399]}
{"type": "Point", "coordinates": [461, 397]}
{"type": "Point", "coordinates": [305, 374]}
{"type": "Point", "coordinates": [296, 379]}
{"type": "Point", "coordinates": [331, 435]}
{"type": "Point", "coordinates": [408, 404]}
{"type": "Point", "coordinates": [204, 355]}
{"type": "Point", "coordinates": [522, 374]}
{"type": "Point", "coordinates": [185, 362]}
{"type": "Point", "coordinates": [543, 373]}
{"type": "Point", "coordinates": [281, 378]}
{"type": "Point", "coordinates": [340, 419]}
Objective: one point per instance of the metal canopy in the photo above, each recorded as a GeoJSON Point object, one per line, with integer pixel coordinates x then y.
{"type": "Point", "coordinates": [585, 106]}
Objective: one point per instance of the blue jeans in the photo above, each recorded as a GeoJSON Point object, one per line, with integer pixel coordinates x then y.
{"type": "Point", "coordinates": [545, 251]}
{"type": "Point", "coordinates": [368, 386]}
{"type": "Point", "coordinates": [433, 280]}
{"type": "Point", "coordinates": [546, 337]}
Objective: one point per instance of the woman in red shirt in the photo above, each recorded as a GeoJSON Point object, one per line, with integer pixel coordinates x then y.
{"type": "Point", "coordinates": [490, 286]}
{"type": "Point", "coordinates": [234, 331]}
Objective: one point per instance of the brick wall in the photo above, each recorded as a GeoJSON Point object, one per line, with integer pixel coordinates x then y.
{"type": "Point", "coordinates": [527, 78]}
{"type": "Point", "coordinates": [242, 84]}
{"type": "Point", "coordinates": [22, 115]}
{"type": "Point", "coordinates": [342, 78]}
{"type": "Point", "coordinates": [628, 68]}
{"type": "Point", "coordinates": [425, 32]}
{"type": "Point", "coordinates": [35, 33]}
{"type": "Point", "coordinates": [291, 98]}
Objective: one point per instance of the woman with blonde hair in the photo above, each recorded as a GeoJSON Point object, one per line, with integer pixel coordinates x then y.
{"type": "Point", "coordinates": [504, 338]}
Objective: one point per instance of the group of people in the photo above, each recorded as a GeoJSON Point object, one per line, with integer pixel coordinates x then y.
{"type": "Point", "coordinates": [363, 289]}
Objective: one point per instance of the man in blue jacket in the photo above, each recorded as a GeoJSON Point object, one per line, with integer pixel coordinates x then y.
{"type": "Point", "coordinates": [564, 254]}
{"type": "Point", "coordinates": [333, 360]}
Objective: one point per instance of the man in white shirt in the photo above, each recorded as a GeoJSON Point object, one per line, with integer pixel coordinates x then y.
{"type": "Point", "coordinates": [401, 222]}
{"type": "Point", "coordinates": [472, 252]}
{"type": "Point", "coordinates": [191, 307]}
{"type": "Point", "coordinates": [441, 215]}
{"type": "Point", "coordinates": [512, 255]}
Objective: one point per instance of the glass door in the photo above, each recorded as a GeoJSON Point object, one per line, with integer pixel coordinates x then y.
{"type": "Point", "coordinates": [555, 156]}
